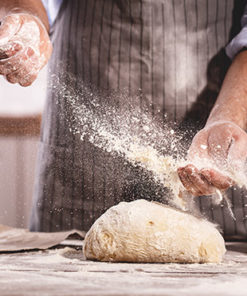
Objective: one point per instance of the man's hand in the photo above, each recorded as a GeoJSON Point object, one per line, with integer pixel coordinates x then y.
{"type": "Point", "coordinates": [25, 48]}
{"type": "Point", "coordinates": [222, 145]}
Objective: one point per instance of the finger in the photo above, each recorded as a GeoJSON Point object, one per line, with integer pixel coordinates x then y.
{"type": "Point", "coordinates": [237, 154]}
{"type": "Point", "coordinates": [10, 50]}
{"type": "Point", "coordinates": [219, 142]}
{"type": "Point", "coordinates": [10, 79]}
{"type": "Point", "coordinates": [16, 62]}
{"type": "Point", "coordinates": [198, 148]}
{"type": "Point", "coordinates": [183, 178]}
{"type": "Point", "coordinates": [12, 64]}
{"type": "Point", "coordinates": [199, 184]}
{"type": "Point", "coordinates": [28, 79]}
{"type": "Point", "coordinates": [27, 74]}
{"type": "Point", "coordinates": [202, 185]}
{"type": "Point", "coordinates": [188, 185]}
{"type": "Point", "coordinates": [216, 179]}
{"type": "Point", "coordinates": [23, 79]}
{"type": "Point", "coordinates": [8, 28]}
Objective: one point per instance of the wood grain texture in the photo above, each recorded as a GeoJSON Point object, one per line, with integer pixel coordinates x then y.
{"type": "Point", "coordinates": [20, 126]}
{"type": "Point", "coordinates": [65, 272]}
{"type": "Point", "coordinates": [17, 170]}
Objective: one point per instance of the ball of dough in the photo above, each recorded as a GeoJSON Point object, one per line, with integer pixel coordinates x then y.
{"type": "Point", "coordinates": [143, 231]}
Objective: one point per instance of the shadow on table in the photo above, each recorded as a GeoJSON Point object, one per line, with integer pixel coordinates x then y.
{"type": "Point", "coordinates": [240, 247]}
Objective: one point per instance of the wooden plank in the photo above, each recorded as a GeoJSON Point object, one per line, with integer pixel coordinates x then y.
{"type": "Point", "coordinates": [20, 126]}
{"type": "Point", "coordinates": [17, 170]}
{"type": "Point", "coordinates": [66, 272]}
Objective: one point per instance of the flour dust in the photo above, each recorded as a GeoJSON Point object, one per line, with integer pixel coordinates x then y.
{"type": "Point", "coordinates": [121, 126]}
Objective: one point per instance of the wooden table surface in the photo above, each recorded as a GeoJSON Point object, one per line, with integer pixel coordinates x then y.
{"type": "Point", "coordinates": [64, 271]}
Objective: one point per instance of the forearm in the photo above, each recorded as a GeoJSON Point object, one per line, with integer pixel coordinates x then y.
{"type": "Point", "coordinates": [34, 7]}
{"type": "Point", "coordinates": [231, 104]}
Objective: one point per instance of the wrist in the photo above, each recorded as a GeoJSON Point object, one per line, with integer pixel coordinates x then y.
{"type": "Point", "coordinates": [34, 8]}
{"type": "Point", "coordinates": [224, 122]}
{"type": "Point", "coordinates": [228, 119]}
{"type": "Point", "coordinates": [234, 112]}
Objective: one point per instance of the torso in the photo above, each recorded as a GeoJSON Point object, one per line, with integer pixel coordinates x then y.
{"type": "Point", "coordinates": [169, 51]}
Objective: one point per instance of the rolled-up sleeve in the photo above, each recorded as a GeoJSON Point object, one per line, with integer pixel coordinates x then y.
{"type": "Point", "coordinates": [52, 8]}
{"type": "Point", "coordinates": [239, 41]}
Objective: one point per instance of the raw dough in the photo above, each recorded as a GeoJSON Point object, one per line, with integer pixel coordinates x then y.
{"type": "Point", "coordinates": [142, 231]}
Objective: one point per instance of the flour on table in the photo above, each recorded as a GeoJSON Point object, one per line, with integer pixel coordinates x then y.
{"type": "Point", "coordinates": [142, 231]}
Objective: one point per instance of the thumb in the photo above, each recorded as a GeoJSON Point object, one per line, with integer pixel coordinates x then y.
{"type": "Point", "coordinates": [237, 160]}
{"type": "Point", "coordinates": [237, 153]}
{"type": "Point", "coordinates": [8, 28]}
{"type": "Point", "coordinates": [199, 147]}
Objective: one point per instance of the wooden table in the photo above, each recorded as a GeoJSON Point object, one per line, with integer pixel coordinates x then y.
{"type": "Point", "coordinates": [64, 271]}
{"type": "Point", "coordinates": [20, 126]}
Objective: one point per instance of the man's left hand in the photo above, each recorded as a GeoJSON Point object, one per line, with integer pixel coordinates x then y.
{"type": "Point", "coordinates": [221, 145]}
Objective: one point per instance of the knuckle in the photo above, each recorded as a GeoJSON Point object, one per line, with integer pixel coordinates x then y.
{"type": "Point", "coordinates": [30, 51]}
{"type": "Point", "coordinates": [28, 79]}
{"type": "Point", "coordinates": [26, 82]}
{"type": "Point", "coordinates": [11, 78]}
{"type": "Point", "coordinates": [5, 69]}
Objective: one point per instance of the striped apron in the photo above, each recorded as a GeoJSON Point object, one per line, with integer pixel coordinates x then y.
{"type": "Point", "coordinates": [171, 52]}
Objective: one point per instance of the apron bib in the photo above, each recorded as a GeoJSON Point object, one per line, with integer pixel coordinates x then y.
{"type": "Point", "coordinates": [167, 49]}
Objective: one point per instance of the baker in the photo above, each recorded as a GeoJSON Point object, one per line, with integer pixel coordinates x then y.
{"type": "Point", "coordinates": [170, 52]}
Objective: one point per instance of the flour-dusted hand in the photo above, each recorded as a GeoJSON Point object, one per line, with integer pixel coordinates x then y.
{"type": "Point", "coordinates": [25, 48]}
{"type": "Point", "coordinates": [222, 145]}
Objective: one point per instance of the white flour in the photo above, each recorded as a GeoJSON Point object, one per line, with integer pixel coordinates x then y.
{"type": "Point", "coordinates": [64, 272]}
{"type": "Point", "coordinates": [127, 130]}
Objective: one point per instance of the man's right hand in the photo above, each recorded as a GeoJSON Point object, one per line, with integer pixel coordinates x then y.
{"type": "Point", "coordinates": [25, 48]}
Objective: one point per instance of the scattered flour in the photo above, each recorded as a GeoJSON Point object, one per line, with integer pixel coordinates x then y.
{"type": "Point", "coordinates": [125, 129]}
